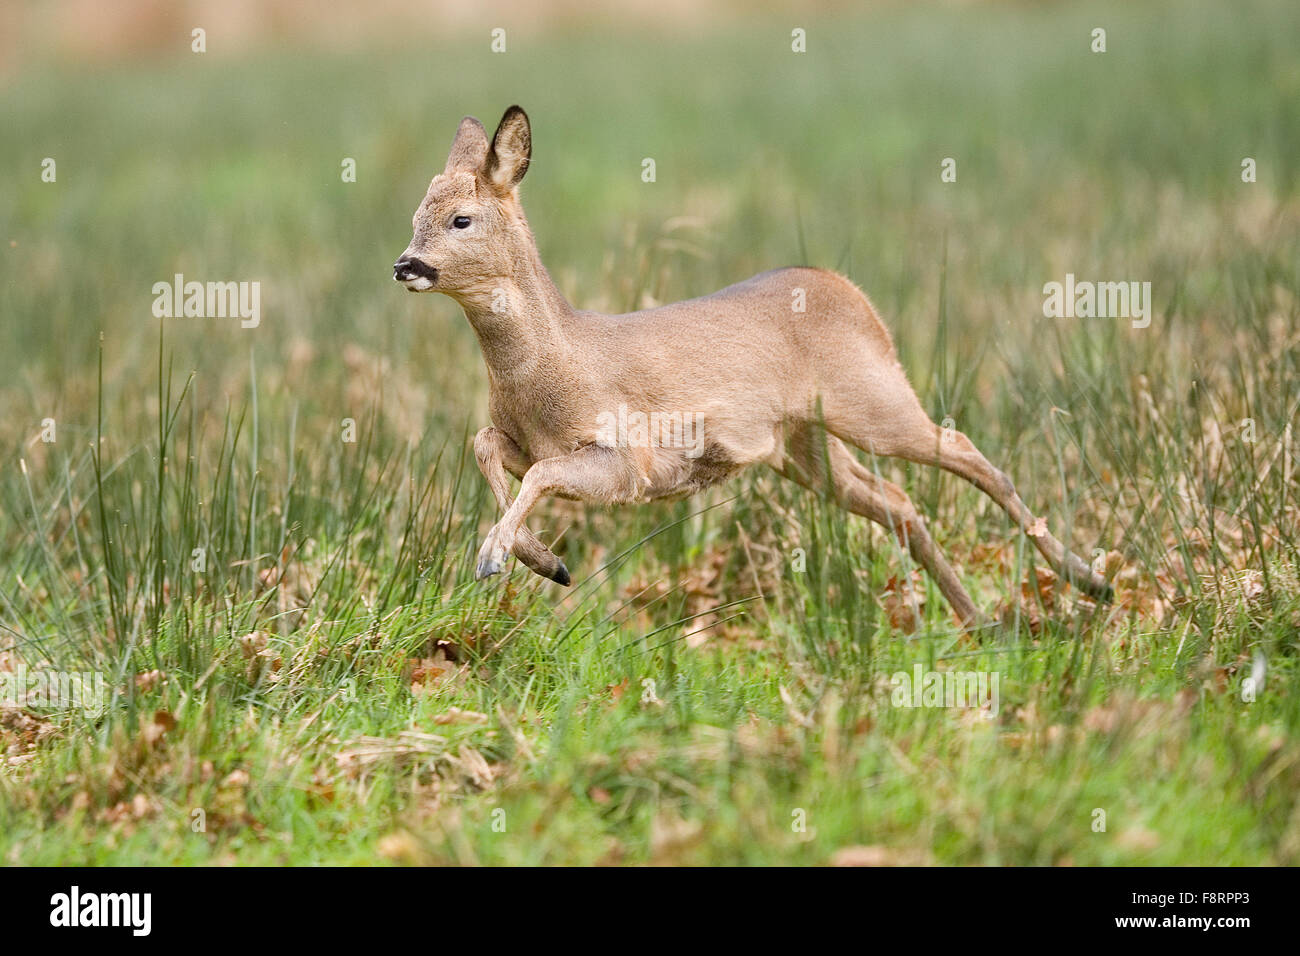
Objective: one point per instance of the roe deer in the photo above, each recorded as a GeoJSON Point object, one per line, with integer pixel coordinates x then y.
{"type": "Point", "coordinates": [769, 383]}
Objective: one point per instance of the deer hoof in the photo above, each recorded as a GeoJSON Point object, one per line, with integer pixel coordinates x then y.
{"type": "Point", "coordinates": [492, 556]}
{"type": "Point", "coordinates": [561, 574]}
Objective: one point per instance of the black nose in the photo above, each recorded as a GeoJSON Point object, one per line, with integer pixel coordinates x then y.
{"type": "Point", "coordinates": [408, 267]}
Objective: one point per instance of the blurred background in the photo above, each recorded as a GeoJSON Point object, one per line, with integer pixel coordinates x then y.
{"type": "Point", "coordinates": [226, 165]}
{"type": "Point", "coordinates": [1167, 452]}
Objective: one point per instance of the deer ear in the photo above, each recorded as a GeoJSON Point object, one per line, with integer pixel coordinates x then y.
{"type": "Point", "coordinates": [470, 147]}
{"type": "Point", "coordinates": [511, 149]}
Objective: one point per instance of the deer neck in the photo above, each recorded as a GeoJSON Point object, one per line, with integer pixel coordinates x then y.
{"type": "Point", "coordinates": [518, 319]}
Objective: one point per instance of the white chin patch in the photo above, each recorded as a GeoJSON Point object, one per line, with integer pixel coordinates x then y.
{"type": "Point", "coordinates": [418, 284]}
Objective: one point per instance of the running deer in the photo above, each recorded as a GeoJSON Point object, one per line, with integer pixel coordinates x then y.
{"type": "Point", "coordinates": [769, 383]}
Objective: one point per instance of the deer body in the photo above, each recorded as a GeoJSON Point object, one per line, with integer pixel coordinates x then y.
{"type": "Point", "coordinates": [685, 357]}
{"type": "Point", "coordinates": [769, 384]}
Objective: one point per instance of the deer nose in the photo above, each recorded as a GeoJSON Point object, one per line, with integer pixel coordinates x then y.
{"type": "Point", "coordinates": [409, 267]}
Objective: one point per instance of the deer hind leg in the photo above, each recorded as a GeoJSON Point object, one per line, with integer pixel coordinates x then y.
{"type": "Point", "coordinates": [492, 450]}
{"type": "Point", "coordinates": [924, 442]}
{"type": "Point", "coordinates": [822, 463]}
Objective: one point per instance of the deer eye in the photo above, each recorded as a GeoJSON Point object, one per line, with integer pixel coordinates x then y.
{"type": "Point", "coordinates": [461, 222]}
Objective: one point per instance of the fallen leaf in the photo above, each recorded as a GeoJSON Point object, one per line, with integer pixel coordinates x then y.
{"type": "Point", "coordinates": [902, 600]}
{"type": "Point", "coordinates": [251, 644]}
{"type": "Point", "coordinates": [455, 715]}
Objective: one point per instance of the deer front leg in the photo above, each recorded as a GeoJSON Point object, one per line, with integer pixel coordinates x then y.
{"type": "Point", "coordinates": [493, 450]}
{"type": "Point", "coordinates": [592, 473]}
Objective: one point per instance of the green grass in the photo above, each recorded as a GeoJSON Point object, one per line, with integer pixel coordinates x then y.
{"type": "Point", "coordinates": [303, 707]}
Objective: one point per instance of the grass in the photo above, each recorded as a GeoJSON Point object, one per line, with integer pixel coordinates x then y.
{"type": "Point", "coordinates": [321, 681]}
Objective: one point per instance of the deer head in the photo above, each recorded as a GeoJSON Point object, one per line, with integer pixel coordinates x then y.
{"type": "Point", "coordinates": [470, 230]}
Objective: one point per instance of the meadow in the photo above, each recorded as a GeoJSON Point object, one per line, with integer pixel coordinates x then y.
{"type": "Point", "coordinates": [298, 665]}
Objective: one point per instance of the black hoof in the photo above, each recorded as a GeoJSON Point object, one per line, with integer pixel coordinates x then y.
{"type": "Point", "coordinates": [561, 575]}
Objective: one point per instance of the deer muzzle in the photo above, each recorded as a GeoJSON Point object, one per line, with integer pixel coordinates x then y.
{"type": "Point", "coordinates": [416, 274]}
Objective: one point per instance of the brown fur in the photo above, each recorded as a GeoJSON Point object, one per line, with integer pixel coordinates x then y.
{"type": "Point", "coordinates": [772, 385]}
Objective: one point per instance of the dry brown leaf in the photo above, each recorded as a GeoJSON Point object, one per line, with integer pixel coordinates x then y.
{"type": "Point", "coordinates": [426, 672]}
{"type": "Point", "coordinates": [903, 599]}
{"type": "Point", "coordinates": [253, 643]}
{"type": "Point", "coordinates": [153, 729]}
{"type": "Point", "coordinates": [454, 715]}
{"type": "Point", "coordinates": [21, 730]}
